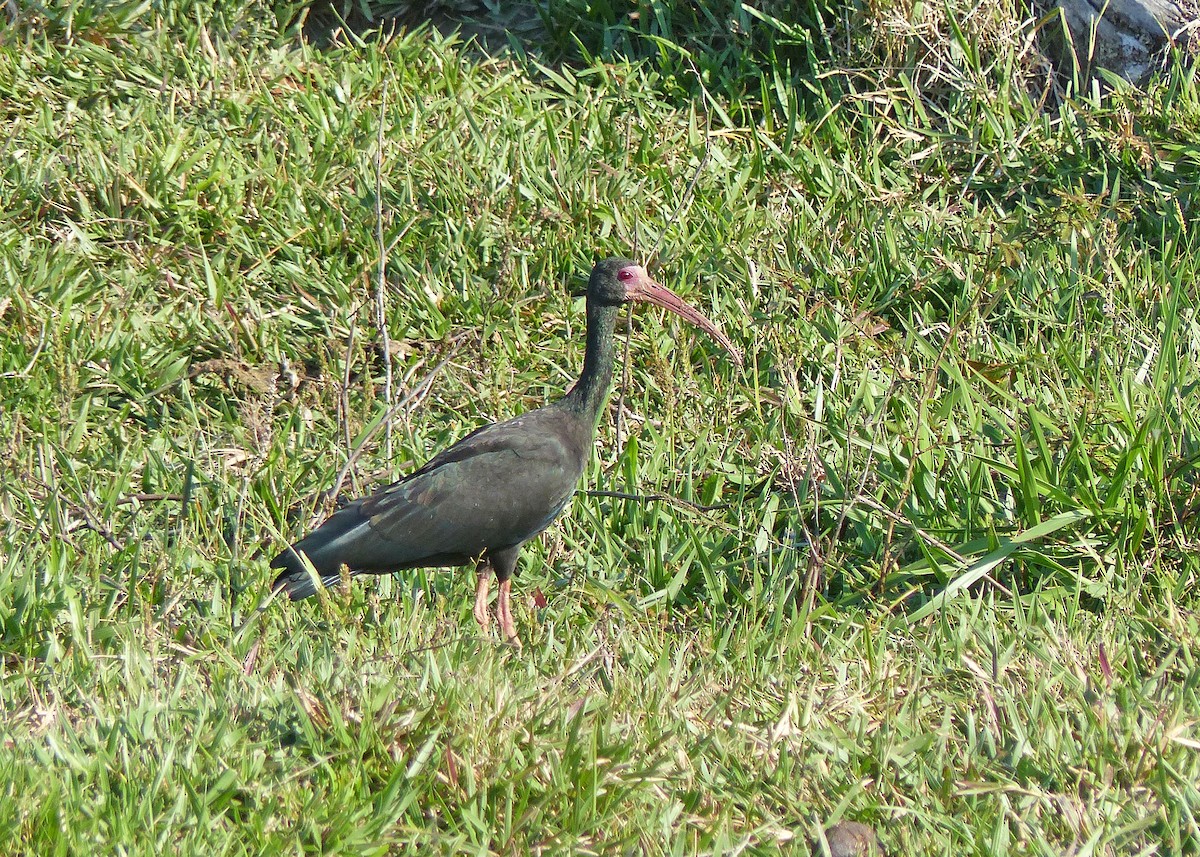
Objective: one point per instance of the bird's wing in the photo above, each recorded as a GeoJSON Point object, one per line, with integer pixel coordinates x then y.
{"type": "Point", "coordinates": [498, 486]}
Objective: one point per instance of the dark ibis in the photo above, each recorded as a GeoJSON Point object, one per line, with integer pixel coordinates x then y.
{"type": "Point", "coordinates": [480, 500]}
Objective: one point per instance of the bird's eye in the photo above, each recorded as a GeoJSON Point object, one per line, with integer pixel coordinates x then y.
{"type": "Point", "coordinates": [625, 274]}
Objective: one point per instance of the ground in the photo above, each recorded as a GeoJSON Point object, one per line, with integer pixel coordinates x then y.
{"type": "Point", "coordinates": [927, 562]}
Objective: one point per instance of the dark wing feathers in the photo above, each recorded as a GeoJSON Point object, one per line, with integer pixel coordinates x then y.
{"type": "Point", "coordinates": [497, 487]}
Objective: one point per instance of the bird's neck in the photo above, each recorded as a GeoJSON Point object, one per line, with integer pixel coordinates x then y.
{"type": "Point", "coordinates": [588, 395]}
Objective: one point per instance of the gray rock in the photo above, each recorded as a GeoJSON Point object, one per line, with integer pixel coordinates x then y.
{"type": "Point", "coordinates": [849, 839]}
{"type": "Point", "coordinates": [1131, 37]}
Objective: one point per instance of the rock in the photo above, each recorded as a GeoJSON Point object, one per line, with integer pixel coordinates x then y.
{"type": "Point", "coordinates": [1132, 37]}
{"type": "Point", "coordinates": [849, 839]}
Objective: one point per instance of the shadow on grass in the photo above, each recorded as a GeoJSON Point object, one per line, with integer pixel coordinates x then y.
{"type": "Point", "coordinates": [743, 54]}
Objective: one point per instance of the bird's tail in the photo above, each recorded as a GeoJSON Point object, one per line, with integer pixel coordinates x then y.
{"type": "Point", "coordinates": [298, 586]}
{"type": "Point", "coordinates": [298, 579]}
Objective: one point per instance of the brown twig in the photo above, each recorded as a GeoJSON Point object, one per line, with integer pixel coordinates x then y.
{"type": "Point", "coordinates": [150, 498]}
{"type": "Point", "coordinates": [87, 519]}
{"type": "Point", "coordinates": [418, 391]}
{"type": "Point", "coordinates": [649, 498]}
{"type": "Point", "coordinates": [344, 392]}
{"type": "Point", "coordinates": [684, 200]}
{"type": "Point", "coordinates": [690, 190]}
{"type": "Point", "coordinates": [381, 281]}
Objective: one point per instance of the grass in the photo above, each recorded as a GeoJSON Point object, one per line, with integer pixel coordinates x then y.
{"type": "Point", "coordinates": [949, 585]}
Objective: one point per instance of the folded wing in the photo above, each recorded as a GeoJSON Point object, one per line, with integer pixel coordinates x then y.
{"type": "Point", "coordinates": [494, 489]}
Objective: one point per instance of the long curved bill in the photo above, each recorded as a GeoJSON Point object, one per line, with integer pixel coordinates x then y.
{"type": "Point", "coordinates": [645, 289]}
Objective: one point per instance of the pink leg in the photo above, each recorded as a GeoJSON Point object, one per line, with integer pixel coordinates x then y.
{"type": "Point", "coordinates": [504, 611]}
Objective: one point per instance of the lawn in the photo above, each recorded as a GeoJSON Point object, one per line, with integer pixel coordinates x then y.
{"type": "Point", "coordinates": [927, 561]}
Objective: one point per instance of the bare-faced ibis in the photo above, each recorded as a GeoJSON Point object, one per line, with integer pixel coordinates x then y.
{"type": "Point", "coordinates": [484, 497]}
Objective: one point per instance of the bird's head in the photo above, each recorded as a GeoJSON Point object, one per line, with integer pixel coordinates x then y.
{"type": "Point", "coordinates": [617, 281]}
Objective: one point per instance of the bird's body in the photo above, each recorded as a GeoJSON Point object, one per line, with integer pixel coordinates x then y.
{"type": "Point", "coordinates": [481, 499]}
{"type": "Point", "coordinates": [454, 509]}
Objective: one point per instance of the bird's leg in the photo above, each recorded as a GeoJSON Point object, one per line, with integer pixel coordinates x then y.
{"type": "Point", "coordinates": [504, 612]}
{"type": "Point", "coordinates": [483, 582]}
{"type": "Point", "coordinates": [505, 563]}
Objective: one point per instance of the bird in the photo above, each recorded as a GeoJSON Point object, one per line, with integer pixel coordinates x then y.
{"type": "Point", "coordinates": [481, 499]}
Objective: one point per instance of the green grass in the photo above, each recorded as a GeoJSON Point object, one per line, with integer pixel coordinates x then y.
{"type": "Point", "coordinates": [949, 584]}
